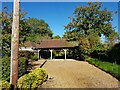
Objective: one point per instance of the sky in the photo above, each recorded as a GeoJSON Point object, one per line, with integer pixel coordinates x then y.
{"type": "Point", "coordinates": [56, 13]}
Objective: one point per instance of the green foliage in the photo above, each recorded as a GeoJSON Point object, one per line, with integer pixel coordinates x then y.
{"type": "Point", "coordinates": [39, 29]}
{"type": "Point", "coordinates": [95, 43]}
{"type": "Point", "coordinates": [34, 57]}
{"type": "Point", "coordinates": [91, 18]}
{"type": "Point", "coordinates": [109, 55]}
{"type": "Point", "coordinates": [100, 54]}
{"type": "Point", "coordinates": [56, 37]}
{"type": "Point", "coordinates": [29, 29]}
{"type": "Point", "coordinates": [58, 53]}
{"type": "Point", "coordinates": [106, 66]}
{"type": "Point", "coordinates": [22, 66]}
{"type": "Point", "coordinates": [114, 53]}
{"type": "Point", "coordinates": [89, 44]}
{"type": "Point", "coordinates": [40, 73]}
{"type": "Point", "coordinates": [87, 25]}
{"type": "Point", "coordinates": [33, 79]}
{"type": "Point", "coordinates": [112, 38]}
{"type": "Point", "coordinates": [4, 85]}
{"type": "Point", "coordinates": [6, 67]}
{"type": "Point", "coordinates": [84, 45]}
{"type": "Point", "coordinates": [24, 29]}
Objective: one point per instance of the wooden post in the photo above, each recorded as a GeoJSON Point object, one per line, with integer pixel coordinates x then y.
{"type": "Point", "coordinates": [65, 53]}
{"type": "Point", "coordinates": [38, 54]}
{"type": "Point", "coordinates": [51, 54]}
{"type": "Point", "coordinates": [15, 44]}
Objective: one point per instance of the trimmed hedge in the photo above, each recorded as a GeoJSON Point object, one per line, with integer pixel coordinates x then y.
{"type": "Point", "coordinates": [108, 67]}
{"type": "Point", "coordinates": [33, 79]}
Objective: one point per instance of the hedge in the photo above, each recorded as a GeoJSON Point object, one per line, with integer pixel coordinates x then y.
{"type": "Point", "coordinates": [33, 79]}
{"type": "Point", "coordinates": [6, 67]}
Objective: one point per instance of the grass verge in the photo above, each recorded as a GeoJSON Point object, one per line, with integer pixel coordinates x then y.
{"type": "Point", "coordinates": [108, 67]}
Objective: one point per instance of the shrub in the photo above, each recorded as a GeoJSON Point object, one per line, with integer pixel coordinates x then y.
{"type": "Point", "coordinates": [34, 57]}
{"type": "Point", "coordinates": [109, 55]}
{"type": "Point", "coordinates": [22, 66]}
{"type": "Point", "coordinates": [40, 73]}
{"type": "Point", "coordinates": [6, 67]}
{"type": "Point", "coordinates": [33, 79]}
{"type": "Point", "coordinates": [4, 85]}
{"type": "Point", "coordinates": [114, 53]}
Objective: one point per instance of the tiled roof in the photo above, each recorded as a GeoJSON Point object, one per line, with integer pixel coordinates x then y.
{"type": "Point", "coordinates": [49, 44]}
{"type": "Point", "coordinates": [54, 43]}
{"type": "Point", "coordinates": [29, 44]}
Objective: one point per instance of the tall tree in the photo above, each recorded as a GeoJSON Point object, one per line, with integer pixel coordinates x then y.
{"type": "Point", "coordinates": [39, 29]}
{"type": "Point", "coordinates": [90, 22]}
{"type": "Point", "coordinates": [24, 29]}
{"type": "Point", "coordinates": [91, 18]}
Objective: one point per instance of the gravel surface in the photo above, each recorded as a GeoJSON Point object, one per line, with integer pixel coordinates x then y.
{"type": "Point", "coordinates": [75, 74]}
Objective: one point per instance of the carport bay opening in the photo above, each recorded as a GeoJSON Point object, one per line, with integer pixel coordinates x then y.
{"type": "Point", "coordinates": [52, 53]}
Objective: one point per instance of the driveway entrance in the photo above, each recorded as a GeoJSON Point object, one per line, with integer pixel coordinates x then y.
{"type": "Point", "coordinates": [75, 74]}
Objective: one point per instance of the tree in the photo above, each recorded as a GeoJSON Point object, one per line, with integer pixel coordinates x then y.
{"type": "Point", "coordinates": [27, 29]}
{"type": "Point", "coordinates": [84, 45]}
{"type": "Point", "coordinates": [24, 29]}
{"type": "Point", "coordinates": [112, 38]}
{"type": "Point", "coordinates": [88, 24]}
{"type": "Point", "coordinates": [90, 18]}
{"type": "Point", "coordinates": [56, 37]}
{"type": "Point", "coordinates": [39, 29]}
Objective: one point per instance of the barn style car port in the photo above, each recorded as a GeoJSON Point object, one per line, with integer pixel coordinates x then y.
{"type": "Point", "coordinates": [54, 44]}
{"type": "Point", "coordinates": [48, 44]}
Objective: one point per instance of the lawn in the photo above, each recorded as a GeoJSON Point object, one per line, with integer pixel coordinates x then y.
{"type": "Point", "coordinates": [108, 67]}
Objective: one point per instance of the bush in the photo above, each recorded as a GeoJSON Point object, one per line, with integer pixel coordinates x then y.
{"type": "Point", "coordinates": [34, 57]}
{"type": "Point", "coordinates": [110, 55]}
{"type": "Point", "coordinates": [33, 79]}
{"type": "Point", "coordinates": [22, 66]}
{"type": "Point", "coordinates": [100, 54]}
{"type": "Point", "coordinates": [6, 67]}
{"type": "Point", "coordinates": [4, 85]}
{"type": "Point", "coordinates": [114, 53]}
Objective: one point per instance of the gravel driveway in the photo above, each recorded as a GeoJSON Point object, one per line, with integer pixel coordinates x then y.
{"type": "Point", "coordinates": [75, 74]}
